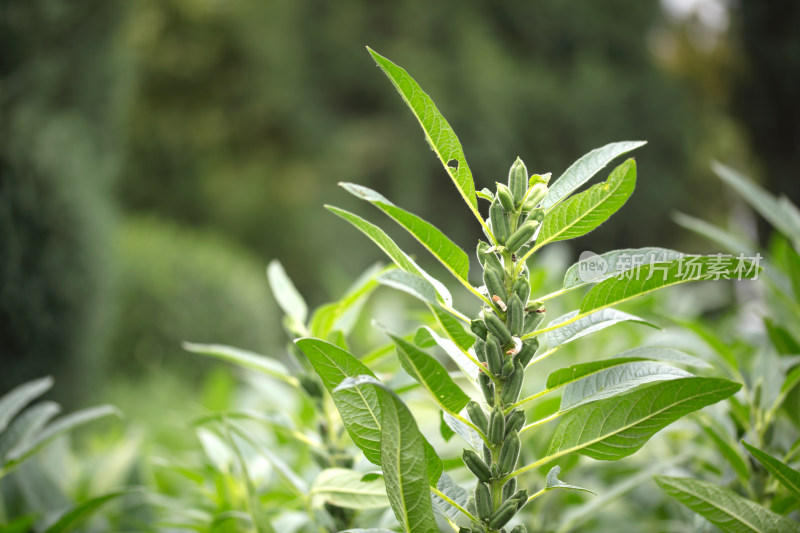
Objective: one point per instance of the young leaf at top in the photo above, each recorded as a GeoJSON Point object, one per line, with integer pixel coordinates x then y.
{"type": "Point", "coordinates": [651, 277]}
{"type": "Point", "coordinates": [431, 375]}
{"type": "Point", "coordinates": [357, 405]}
{"type": "Point", "coordinates": [724, 508]}
{"type": "Point", "coordinates": [406, 459]}
{"type": "Point", "coordinates": [616, 427]}
{"type": "Point", "coordinates": [787, 476]}
{"type": "Point", "coordinates": [585, 211]}
{"type": "Point", "coordinates": [285, 293]}
{"type": "Point", "coordinates": [438, 132]}
{"type": "Point", "coordinates": [385, 243]}
{"type": "Point", "coordinates": [584, 168]}
{"type": "Point", "coordinates": [437, 243]}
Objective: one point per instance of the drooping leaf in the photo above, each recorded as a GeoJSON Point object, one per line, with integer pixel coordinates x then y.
{"type": "Point", "coordinates": [357, 405]}
{"type": "Point", "coordinates": [415, 285]}
{"type": "Point", "coordinates": [14, 401]}
{"type": "Point", "coordinates": [261, 363]}
{"type": "Point", "coordinates": [385, 243]}
{"type": "Point", "coordinates": [76, 516]}
{"type": "Point", "coordinates": [453, 328]}
{"type": "Point", "coordinates": [584, 168]}
{"type": "Point", "coordinates": [346, 488]}
{"type": "Point", "coordinates": [552, 482]}
{"type": "Point", "coordinates": [616, 427]}
{"type": "Point", "coordinates": [438, 132]}
{"type": "Point", "coordinates": [285, 293]}
{"type": "Point", "coordinates": [617, 380]}
{"type": "Point", "coordinates": [431, 375]}
{"type": "Point", "coordinates": [437, 243]}
{"type": "Point", "coordinates": [585, 326]}
{"type": "Point", "coordinates": [573, 373]}
{"type": "Point", "coordinates": [469, 368]}
{"type": "Point", "coordinates": [724, 508]}
{"type": "Point", "coordinates": [649, 278]}
{"type": "Point", "coordinates": [595, 268]}
{"type": "Point", "coordinates": [786, 475]}
{"type": "Point", "coordinates": [585, 211]}
{"type": "Point", "coordinates": [406, 459]}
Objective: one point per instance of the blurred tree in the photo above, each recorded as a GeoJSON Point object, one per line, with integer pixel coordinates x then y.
{"type": "Point", "coordinates": [767, 89]}
{"type": "Point", "coordinates": [246, 114]}
{"type": "Point", "coordinates": [59, 153]}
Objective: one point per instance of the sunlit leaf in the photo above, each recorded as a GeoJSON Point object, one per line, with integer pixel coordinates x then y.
{"type": "Point", "coordinates": [616, 427]}
{"type": "Point", "coordinates": [583, 212]}
{"type": "Point", "coordinates": [285, 293]}
{"type": "Point", "coordinates": [584, 168]}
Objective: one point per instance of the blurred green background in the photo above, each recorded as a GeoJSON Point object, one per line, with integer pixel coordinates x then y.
{"type": "Point", "coordinates": [156, 155]}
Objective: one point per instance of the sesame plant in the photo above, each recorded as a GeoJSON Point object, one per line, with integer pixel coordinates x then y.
{"type": "Point", "coordinates": [750, 481]}
{"type": "Point", "coordinates": [609, 408]}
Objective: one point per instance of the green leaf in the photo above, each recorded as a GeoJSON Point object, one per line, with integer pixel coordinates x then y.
{"type": "Point", "coordinates": [27, 426]}
{"type": "Point", "coordinates": [343, 314]}
{"type": "Point", "coordinates": [453, 328]}
{"type": "Point", "coordinates": [616, 427]}
{"type": "Point", "coordinates": [649, 278]}
{"type": "Point", "coordinates": [552, 482]}
{"type": "Point", "coordinates": [595, 268]}
{"type": "Point", "coordinates": [782, 340]}
{"type": "Point", "coordinates": [344, 488]}
{"type": "Point", "coordinates": [727, 449]}
{"type": "Point", "coordinates": [23, 524]}
{"type": "Point", "coordinates": [15, 401]}
{"type": "Point", "coordinates": [469, 368]}
{"type": "Point", "coordinates": [724, 508]}
{"type": "Point", "coordinates": [584, 168]}
{"type": "Point", "coordinates": [585, 326]}
{"type": "Point", "coordinates": [617, 380]}
{"type": "Point", "coordinates": [585, 211]}
{"type": "Point", "coordinates": [385, 243]}
{"type": "Point", "coordinates": [402, 446]}
{"type": "Point", "coordinates": [76, 516]}
{"type": "Point", "coordinates": [285, 293]}
{"type": "Point", "coordinates": [56, 429]}
{"type": "Point", "coordinates": [246, 359]}
{"type": "Point", "coordinates": [438, 132]}
{"type": "Point", "coordinates": [415, 285]}
{"type": "Point", "coordinates": [357, 405]}
{"type": "Point", "coordinates": [778, 213]}
{"type": "Point", "coordinates": [787, 476]}
{"type": "Point", "coordinates": [728, 240]}
{"type": "Point", "coordinates": [431, 375]}
{"type": "Point", "coordinates": [573, 373]}
{"type": "Point", "coordinates": [469, 435]}
{"type": "Point", "coordinates": [437, 243]}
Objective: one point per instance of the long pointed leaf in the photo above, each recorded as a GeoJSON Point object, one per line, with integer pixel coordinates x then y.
{"type": "Point", "coordinates": [724, 508]}
{"type": "Point", "coordinates": [787, 476]}
{"type": "Point", "coordinates": [285, 293]}
{"type": "Point", "coordinates": [385, 243]}
{"type": "Point", "coordinates": [246, 359]}
{"type": "Point", "coordinates": [595, 268]}
{"type": "Point", "coordinates": [587, 325]}
{"type": "Point", "coordinates": [584, 168]}
{"type": "Point", "coordinates": [437, 243]}
{"type": "Point", "coordinates": [431, 375]}
{"type": "Point", "coordinates": [585, 211]}
{"type": "Point", "coordinates": [617, 427]}
{"type": "Point", "coordinates": [438, 132]}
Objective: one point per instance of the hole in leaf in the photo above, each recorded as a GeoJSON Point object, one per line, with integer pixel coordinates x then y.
{"type": "Point", "coordinates": [453, 163]}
